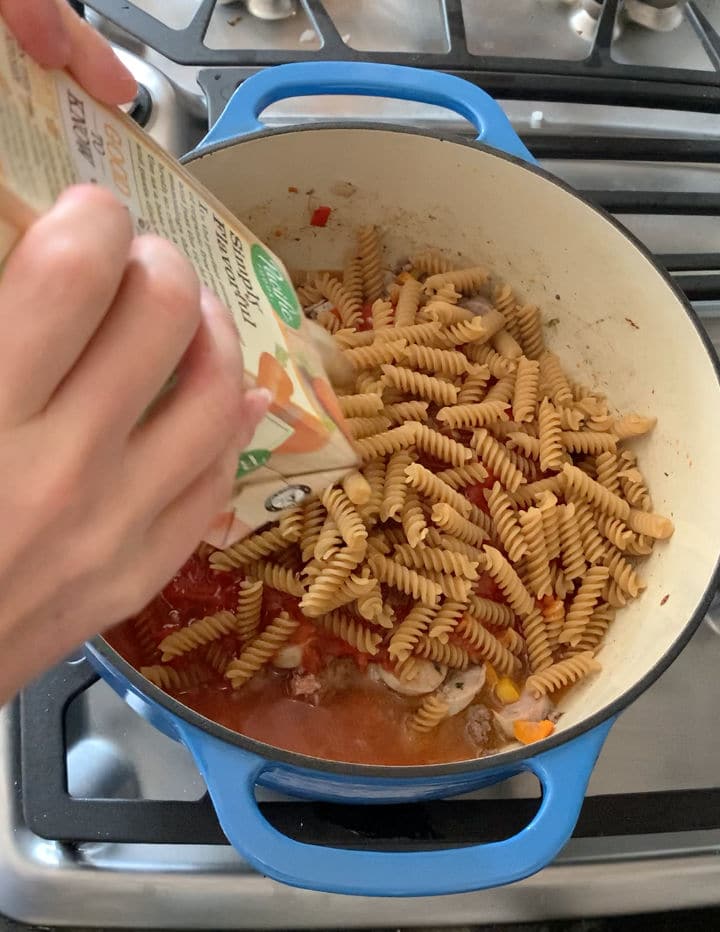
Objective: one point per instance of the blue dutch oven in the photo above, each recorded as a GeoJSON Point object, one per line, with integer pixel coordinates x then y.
{"type": "Point", "coordinates": [488, 202]}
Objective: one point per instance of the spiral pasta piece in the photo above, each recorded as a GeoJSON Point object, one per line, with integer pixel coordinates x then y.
{"type": "Point", "coordinates": [483, 354]}
{"type": "Point", "coordinates": [198, 632]}
{"type": "Point", "coordinates": [431, 711]}
{"type": "Point", "coordinates": [506, 344]}
{"type": "Point", "coordinates": [346, 516]}
{"type": "Point", "coordinates": [450, 655]}
{"type": "Point", "coordinates": [570, 418]}
{"type": "Point", "coordinates": [413, 520]}
{"type": "Point", "coordinates": [496, 457]}
{"type": "Point", "coordinates": [357, 488]}
{"type": "Point", "coordinates": [553, 380]}
{"type": "Point", "coordinates": [249, 608]}
{"type": "Point", "coordinates": [596, 629]}
{"type": "Point", "coordinates": [452, 587]}
{"type": "Point", "coordinates": [537, 639]}
{"type": "Point", "coordinates": [433, 488]}
{"type": "Point", "coordinates": [514, 642]}
{"type": "Point", "coordinates": [551, 448]}
{"type": "Point", "coordinates": [561, 674]}
{"type": "Point", "coordinates": [446, 620]}
{"type": "Point", "coordinates": [571, 544]}
{"type": "Point", "coordinates": [492, 613]}
{"type": "Point", "coordinates": [251, 548]}
{"type": "Point", "coordinates": [474, 387]}
{"type": "Point", "coordinates": [452, 522]}
{"type": "Point", "coordinates": [460, 477]}
{"type": "Point", "coordinates": [276, 576]}
{"type": "Point", "coordinates": [487, 646]}
{"type": "Point", "coordinates": [347, 306]}
{"type": "Point", "coordinates": [504, 515]}
{"type": "Point", "coordinates": [398, 438]}
{"type": "Point", "coordinates": [404, 579]}
{"type": "Point", "coordinates": [623, 573]}
{"type": "Point", "coordinates": [370, 606]}
{"type": "Point", "coordinates": [308, 293]}
{"type": "Point", "coordinates": [528, 445]}
{"type": "Point", "coordinates": [554, 614]}
{"type": "Point", "coordinates": [527, 494]}
{"type": "Point", "coordinates": [291, 524]}
{"type": "Point", "coordinates": [591, 541]}
{"type": "Point", "coordinates": [440, 447]}
{"type": "Point", "coordinates": [466, 331]}
{"type": "Point", "coordinates": [509, 582]}
{"type": "Point", "coordinates": [402, 411]}
{"type": "Point", "coordinates": [396, 488]}
{"type": "Point", "coordinates": [353, 280]}
{"type": "Point", "coordinates": [437, 560]}
{"type": "Point", "coordinates": [444, 312]}
{"type": "Point", "coordinates": [408, 302]}
{"type": "Point", "coordinates": [588, 441]}
{"type": "Point", "coordinates": [417, 383]}
{"type": "Point", "coordinates": [578, 484]}
{"type": "Point", "coordinates": [382, 314]}
{"type": "Point", "coordinates": [167, 677]}
{"type": "Point", "coordinates": [407, 634]}
{"type": "Point", "coordinates": [633, 425]}
{"type": "Point", "coordinates": [260, 651]}
{"type": "Point", "coordinates": [370, 262]}
{"type": "Point", "coordinates": [525, 398]}
{"type": "Point", "coordinates": [468, 281]}
{"type": "Point", "coordinates": [219, 655]}
{"type": "Point", "coordinates": [446, 363]}
{"type": "Point", "coordinates": [364, 405]}
{"type": "Point", "coordinates": [537, 563]}
{"type": "Point", "coordinates": [607, 467]}
{"type": "Point", "coordinates": [428, 333]}
{"type": "Point", "coordinates": [473, 415]}
{"type": "Point", "coordinates": [379, 352]}
{"type": "Point", "coordinates": [651, 525]}
{"type": "Point", "coordinates": [431, 262]}
{"type": "Point", "coordinates": [530, 331]}
{"type": "Point", "coordinates": [322, 591]}
{"type": "Point", "coordinates": [374, 472]}
{"type": "Point", "coordinates": [615, 531]}
{"type": "Point", "coordinates": [353, 632]}
{"type": "Point", "coordinates": [583, 605]}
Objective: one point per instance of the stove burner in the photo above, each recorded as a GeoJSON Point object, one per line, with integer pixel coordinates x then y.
{"type": "Point", "coordinates": [656, 15]}
{"type": "Point", "coordinates": [271, 9]}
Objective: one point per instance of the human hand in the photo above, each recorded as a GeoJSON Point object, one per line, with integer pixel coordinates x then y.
{"type": "Point", "coordinates": [100, 505]}
{"type": "Point", "coordinates": [52, 33]}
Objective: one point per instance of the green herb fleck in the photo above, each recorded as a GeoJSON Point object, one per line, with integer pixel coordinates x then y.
{"type": "Point", "coordinates": [459, 685]}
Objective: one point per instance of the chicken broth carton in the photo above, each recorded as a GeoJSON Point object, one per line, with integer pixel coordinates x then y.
{"type": "Point", "coordinates": [53, 134]}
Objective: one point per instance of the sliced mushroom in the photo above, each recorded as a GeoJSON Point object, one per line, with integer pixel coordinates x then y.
{"type": "Point", "coordinates": [427, 678]}
{"type": "Point", "coordinates": [288, 657]}
{"type": "Point", "coordinates": [462, 687]}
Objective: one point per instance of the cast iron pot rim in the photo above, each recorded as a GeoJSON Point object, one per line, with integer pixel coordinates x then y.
{"type": "Point", "coordinates": [504, 759]}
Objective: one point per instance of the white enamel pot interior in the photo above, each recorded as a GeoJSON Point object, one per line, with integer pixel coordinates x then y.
{"type": "Point", "coordinates": [618, 324]}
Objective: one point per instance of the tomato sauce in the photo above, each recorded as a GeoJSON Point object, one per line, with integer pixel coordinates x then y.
{"type": "Point", "coordinates": [352, 718]}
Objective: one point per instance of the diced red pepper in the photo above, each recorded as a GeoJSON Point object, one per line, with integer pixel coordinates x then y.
{"type": "Point", "coordinates": [320, 216]}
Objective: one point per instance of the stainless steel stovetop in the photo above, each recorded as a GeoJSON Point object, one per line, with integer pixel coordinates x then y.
{"type": "Point", "coordinates": [650, 837]}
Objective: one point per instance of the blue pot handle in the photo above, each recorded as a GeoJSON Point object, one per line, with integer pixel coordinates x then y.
{"type": "Point", "coordinates": [231, 774]}
{"type": "Point", "coordinates": [241, 115]}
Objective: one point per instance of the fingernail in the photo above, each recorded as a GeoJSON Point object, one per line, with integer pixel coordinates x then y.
{"type": "Point", "coordinates": [258, 400]}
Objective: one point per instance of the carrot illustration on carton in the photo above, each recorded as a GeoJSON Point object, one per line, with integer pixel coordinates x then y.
{"type": "Point", "coordinates": [300, 447]}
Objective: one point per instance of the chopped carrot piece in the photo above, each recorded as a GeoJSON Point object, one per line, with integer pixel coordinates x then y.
{"type": "Point", "coordinates": [528, 732]}
{"type": "Point", "coordinates": [507, 691]}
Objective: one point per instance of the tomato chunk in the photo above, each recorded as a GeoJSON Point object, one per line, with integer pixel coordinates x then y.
{"type": "Point", "coordinates": [320, 216]}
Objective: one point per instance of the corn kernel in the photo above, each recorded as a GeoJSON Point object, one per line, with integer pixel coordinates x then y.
{"type": "Point", "coordinates": [507, 691]}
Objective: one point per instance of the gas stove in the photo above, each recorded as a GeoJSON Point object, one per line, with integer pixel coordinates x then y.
{"type": "Point", "coordinates": [105, 822]}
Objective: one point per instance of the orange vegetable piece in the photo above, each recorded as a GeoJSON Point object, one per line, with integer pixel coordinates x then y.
{"type": "Point", "coordinates": [507, 691]}
{"type": "Point", "coordinates": [272, 376]}
{"type": "Point", "coordinates": [529, 732]}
